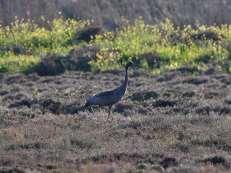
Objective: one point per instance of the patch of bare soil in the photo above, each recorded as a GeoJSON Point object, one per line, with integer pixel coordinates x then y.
{"type": "Point", "coordinates": [176, 122]}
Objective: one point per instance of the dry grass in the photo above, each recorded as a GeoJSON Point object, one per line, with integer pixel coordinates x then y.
{"type": "Point", "coordinates": [146, 135]}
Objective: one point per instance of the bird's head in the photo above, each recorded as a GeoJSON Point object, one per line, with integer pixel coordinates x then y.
{"type": "Point", "coordinates": [128, 64]}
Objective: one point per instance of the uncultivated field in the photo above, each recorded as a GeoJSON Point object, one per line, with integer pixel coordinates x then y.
{"type": "Point", "coordinates": [175, 122]}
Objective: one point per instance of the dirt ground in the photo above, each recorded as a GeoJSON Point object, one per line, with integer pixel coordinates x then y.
{"type": "Point", "coordinates": [177, 122]}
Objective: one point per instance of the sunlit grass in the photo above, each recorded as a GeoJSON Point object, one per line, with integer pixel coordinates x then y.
{"type": "Point", "coordinates": [23, 43]}
{"type": "Point", "coordinates": [17, 63]}
{"type": "Point", "coordinates": [174, 45]}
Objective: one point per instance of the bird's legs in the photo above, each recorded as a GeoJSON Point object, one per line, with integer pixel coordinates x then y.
{"type": "Point", "coordinates": [92, 111]}
{"type": "Point", "coordinates": [109, 112]}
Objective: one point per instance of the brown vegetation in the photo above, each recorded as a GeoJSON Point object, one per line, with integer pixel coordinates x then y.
{"type": "Point", "coordinates": [175, 122]}
{"type": "Point", "coordinates": [109, 13]}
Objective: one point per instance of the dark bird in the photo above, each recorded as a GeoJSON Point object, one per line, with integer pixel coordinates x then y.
{"type": "Point", "coordinates": [109, 98]}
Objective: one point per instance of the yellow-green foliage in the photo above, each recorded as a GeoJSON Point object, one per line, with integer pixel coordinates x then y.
{"type": "Point", "coordinates": [173, 44]}
{"type": "Point", "coordinates": [24, 42]}
{"type": "Point", "coordinates": [33, 41]}
{"type": "Point", "coordinates": [17, 63]}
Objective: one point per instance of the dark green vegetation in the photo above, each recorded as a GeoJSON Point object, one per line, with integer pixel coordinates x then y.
{"type": "Point", "coordinates": [156, 48]}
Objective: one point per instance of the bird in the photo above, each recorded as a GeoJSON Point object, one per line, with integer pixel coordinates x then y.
{"type": "Point", "coordinates": [111, 97]}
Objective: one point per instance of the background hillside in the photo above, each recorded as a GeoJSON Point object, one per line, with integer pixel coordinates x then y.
{"type": "Point", "coordinates": [109, 12]}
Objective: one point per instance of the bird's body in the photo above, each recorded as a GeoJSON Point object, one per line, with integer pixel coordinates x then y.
{"type": "Point", "coordinates": [109, 98]}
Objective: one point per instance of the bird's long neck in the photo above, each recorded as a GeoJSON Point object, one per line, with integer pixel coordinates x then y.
{"type": "Point", "coordinates": [126, 78]}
